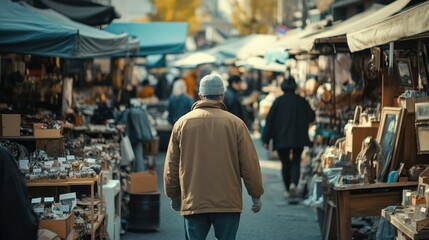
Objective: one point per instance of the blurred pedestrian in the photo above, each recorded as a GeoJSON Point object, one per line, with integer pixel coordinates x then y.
{"type": "Point", "coordinates": [146, 91]}
{"type": "Point", "coordinates": [287, 125]}
{"type": "Point", "coordinates": [209, 152]}
{"type": "Point", "coordinates": [232, 98]}
{"type": "Point", "coordinates": [179, 103]}
{"type": "Point", "coordinates": [17, 218]}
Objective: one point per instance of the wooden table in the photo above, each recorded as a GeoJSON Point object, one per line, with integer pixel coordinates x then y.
{"type": "Point", "coordinates": [405, 231]}
{"type": "Point", "coordinates": [362, 200]}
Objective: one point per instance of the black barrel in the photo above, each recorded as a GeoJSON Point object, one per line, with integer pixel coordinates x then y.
{"type": "Point", "coordinates": [144, 211]}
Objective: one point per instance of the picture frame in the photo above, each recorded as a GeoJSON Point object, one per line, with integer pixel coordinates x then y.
{"type": "Point", "coordinates": [405, 74]}
{"type": "Point", "coordinates": [389, 136]}
{"type": "Point", "coordinates": [422, 111]}
{"type": "Point", "coordinates": [422, 134]}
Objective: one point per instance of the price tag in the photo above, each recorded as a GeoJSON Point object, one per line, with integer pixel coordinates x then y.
{"type": "Point", "coordinates": [408, 194]}
{"type": "Point", "coordinates": [61, 159]}
{"type": "Point", "coordinates": [423, 209]}
{"type": "Point", "coordinates": [64, 166]}
{"type": "Point", "coordinates": [48, 199]}
{"type": "Point", "coordinates": [23, 164]}
{"type": "Point", "coordinates": [36, 200]}
{"type": "Point", "coordinates": [48, 163]}
{"type": "Point", "coordinates": [37, 170]}
{"type": "Point", "coordinates": [70, 158]}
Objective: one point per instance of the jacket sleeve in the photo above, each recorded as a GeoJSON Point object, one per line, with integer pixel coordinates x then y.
{"type": "Point", "coordinates": [171, 167]}
{"type": "Point", "coordinates": [269, 124]}
{"type": "Point", "coordinates": [250, 169]}
{"type": "Point", "coordinates": [311, 116]}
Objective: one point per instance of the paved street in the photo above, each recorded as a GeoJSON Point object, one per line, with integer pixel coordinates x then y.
{"type": "Point", "coordinates": [277, 219]}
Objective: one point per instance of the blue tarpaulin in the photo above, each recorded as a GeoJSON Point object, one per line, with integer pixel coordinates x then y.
{"type": "Point", "coordinates": [155, 37]}
{"type": "Point", "coordinates": [24, 30]}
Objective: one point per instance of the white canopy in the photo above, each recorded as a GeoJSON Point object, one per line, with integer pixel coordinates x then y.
{"type": "Point", "coordinates": [194, 59]}
{"type": "Point", "coordinates": [260, 63]}
{"type": "Point", "coordinates": [371, 16]}
{"type": "Point", "coordinates": [411, 22]}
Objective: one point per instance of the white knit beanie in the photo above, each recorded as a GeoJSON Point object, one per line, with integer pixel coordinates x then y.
{"type": "Point", "coordinates": [211, 85]}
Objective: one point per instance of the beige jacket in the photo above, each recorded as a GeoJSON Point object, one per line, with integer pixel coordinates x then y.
{"type": "Point", "coordinates": [209, 152]}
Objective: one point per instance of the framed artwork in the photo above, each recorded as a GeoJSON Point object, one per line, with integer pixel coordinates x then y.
{"type": "Point", "coordinates": [422, 135]}
{"type": "Point", "coordinates": [389, 137]}
{"type": "Point", "coordinates": [422, 111]}
{"type": "Point", "coordinates": [405, 75]}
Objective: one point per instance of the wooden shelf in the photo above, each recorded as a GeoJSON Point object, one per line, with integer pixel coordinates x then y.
{"type": "Point", "coordinates": [29, 138]}
{"type": "Point", "coordinates": [78, 182]}
{"type": "Point", "coordinates": [61, 183]}
{"type": "Point", "coordinates": [97, 224]}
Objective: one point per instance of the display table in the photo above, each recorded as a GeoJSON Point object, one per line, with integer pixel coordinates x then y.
{"type": "Point", "coordinates": [357, 201]}
{"type": "Point", "coordinates": [112, 198]}
{"type": "Point", "coordinates": [405, 231]}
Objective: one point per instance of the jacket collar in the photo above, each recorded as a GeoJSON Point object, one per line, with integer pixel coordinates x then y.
{"type": "Point", "coordinates": [209, 104]}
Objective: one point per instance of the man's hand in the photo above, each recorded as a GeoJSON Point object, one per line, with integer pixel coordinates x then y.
{"type": "Point", "coordinates": [257, 205]}
{"type": "Point", "coordinates": [175, 203]}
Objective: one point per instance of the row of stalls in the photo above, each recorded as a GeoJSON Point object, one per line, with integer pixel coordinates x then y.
{"type": "Point", "coordinates": [376, 70]}
{"type": "Point", "coordinates": [57, 113]}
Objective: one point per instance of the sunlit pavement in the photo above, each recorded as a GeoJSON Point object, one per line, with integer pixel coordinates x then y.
{"type": "Point", "coordinates": [277, 219]}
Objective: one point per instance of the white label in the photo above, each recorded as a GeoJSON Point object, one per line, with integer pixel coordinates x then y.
{"type": "Point", "coordinates": [423, 209]}
{"type": "Point", "coordinates": [408, 194]}
{"type": "Point", "coordinates": [37, 170]}
{"type": "Point", "coordinates": [23, 164]}
{"type": "Point", "coordinates": [48, 199]}
{"type": "Point", "coordinates": [36, 200]}
{"type": "Point", "coordinates": [70, 158]}
{"type": "Point", "coordinates": [61, 159]}
{"type": "Point", "coordinates": [48, 163]}
{"type": "Point", "coordinates": [64, 166]}
{"type": "Point", "coordinates": [90, 160]}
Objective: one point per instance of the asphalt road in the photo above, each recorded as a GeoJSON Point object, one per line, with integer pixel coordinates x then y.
{"type": "Point", "coordinates": [278, 220]}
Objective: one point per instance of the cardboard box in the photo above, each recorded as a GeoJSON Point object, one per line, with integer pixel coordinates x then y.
{"type": "Point", "coordinates": [10, 125]}
{"type": "Point", "coordinates": [61, 227]}
{"type": "Point", "coordinates": [38, 132]}
{"type": "Point", "coordinates": [142, 182]}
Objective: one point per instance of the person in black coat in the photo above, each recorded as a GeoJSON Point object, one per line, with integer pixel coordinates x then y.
{"type": "Point", "coordinates": [17, 218]}
{"type": "Point", "coordinates": [287, 125]}
{"type": "Point", "coordinates": [232, 99]}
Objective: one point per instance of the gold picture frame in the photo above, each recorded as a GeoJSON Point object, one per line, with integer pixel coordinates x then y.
{"type": "Point", "coordinates": [389, 136]}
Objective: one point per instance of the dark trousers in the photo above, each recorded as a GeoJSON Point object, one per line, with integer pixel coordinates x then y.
{"type": "Point", "coordinates": [290, 165]}
{"type": "Point", "coordinates": [225, 225]}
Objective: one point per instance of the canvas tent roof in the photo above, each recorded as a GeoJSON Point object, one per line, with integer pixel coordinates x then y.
{"type": "Point", "coordinates": [413, 21]}
{"type": "Point", "coordinates": [372, 15]}
{"type": "Point", "coordinates": [86, 12]}
{"type": "Point", "coordinates": [243, 47]}
{"type": "Point", "coordinates": [26, 31]}
{"type": "Point", "coordinates": [194, 59]}
{"type": "Point", "coordinates": [155, 37]}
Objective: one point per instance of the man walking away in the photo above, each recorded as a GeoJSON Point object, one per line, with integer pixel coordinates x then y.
{"type": "Point", "coordinates": [209, 152]}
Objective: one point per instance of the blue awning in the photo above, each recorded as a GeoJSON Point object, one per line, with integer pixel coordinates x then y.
{"type": "Point", "coordinates": [155, 37]}
{"type": "Point", "coordinates": [26, 30]}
